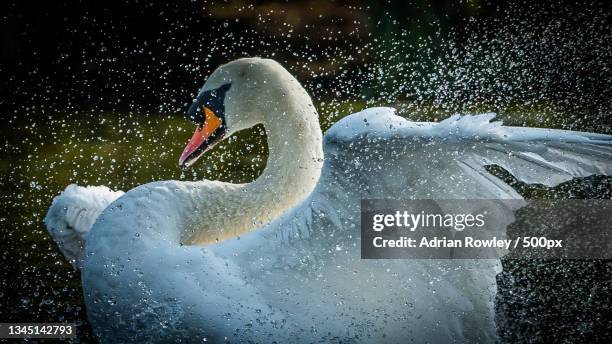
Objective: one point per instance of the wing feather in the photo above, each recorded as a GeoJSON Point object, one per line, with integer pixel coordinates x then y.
{"type": "Point", "coordinates": [377, 154]}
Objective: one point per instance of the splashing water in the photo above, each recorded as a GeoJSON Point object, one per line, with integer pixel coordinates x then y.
{"type": "Point", "coordinates": [103, 107]}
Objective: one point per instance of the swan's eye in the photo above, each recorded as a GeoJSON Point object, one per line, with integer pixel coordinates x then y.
{"type": "Point", "coordinates": [212, 100]}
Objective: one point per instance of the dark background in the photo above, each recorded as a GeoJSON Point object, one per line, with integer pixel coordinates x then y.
{"type": "Point", "coordinates": [146, 56]}
{"type": "Point", "coordinates": [105, 78]}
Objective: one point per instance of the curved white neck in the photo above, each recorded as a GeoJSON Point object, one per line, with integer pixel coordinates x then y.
{"type": "Point", "coordinates": [291, 173]}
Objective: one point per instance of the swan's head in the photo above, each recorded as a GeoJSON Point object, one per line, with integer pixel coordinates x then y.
{"type": "Point", "coordinates": [236, 96]}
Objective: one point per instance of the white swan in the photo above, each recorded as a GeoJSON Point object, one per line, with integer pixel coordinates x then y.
{"type": "Point", "coordinates": [153, 271]}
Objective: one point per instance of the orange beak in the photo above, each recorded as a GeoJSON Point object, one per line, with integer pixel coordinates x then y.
{"type": "Point", "coordinates": [203, 139]}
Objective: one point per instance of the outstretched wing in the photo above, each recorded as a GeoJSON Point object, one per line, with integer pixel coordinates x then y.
{"type": "Point", "coordinates": [377, 154]}
{"type": "Point", "coordinates": [533, 155]}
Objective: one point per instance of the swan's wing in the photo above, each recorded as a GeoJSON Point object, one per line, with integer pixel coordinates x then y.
{"type": "Point", "coordinates": [532, 155]}
{"type": "Point", "coordinates": [377, 154]}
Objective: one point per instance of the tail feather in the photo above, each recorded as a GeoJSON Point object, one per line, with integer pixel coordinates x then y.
{"type": "Point", "coordinates": [73, 213]}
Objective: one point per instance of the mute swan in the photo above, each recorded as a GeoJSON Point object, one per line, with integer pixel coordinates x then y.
{"type": "Point", "coordinates": [277, 260]}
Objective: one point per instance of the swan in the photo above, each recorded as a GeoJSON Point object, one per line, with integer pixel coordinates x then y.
{"type": "Point", "coordinates": [277, 259]}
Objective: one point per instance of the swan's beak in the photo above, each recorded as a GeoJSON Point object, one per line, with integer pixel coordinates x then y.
{"type": "Point", "coordinates": [204, 138]}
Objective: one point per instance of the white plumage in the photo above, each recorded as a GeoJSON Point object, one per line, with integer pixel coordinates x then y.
{"type": "Point", "coordinates": [299, 278]}
{"type": "Point", "coordinates": [72, 214]}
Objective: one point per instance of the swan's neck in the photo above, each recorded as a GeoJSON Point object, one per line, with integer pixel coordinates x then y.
{"type": "Point", "coordinates": [295, 158]}
{"type": "Point", "coordinates": [291, 173]}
